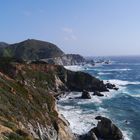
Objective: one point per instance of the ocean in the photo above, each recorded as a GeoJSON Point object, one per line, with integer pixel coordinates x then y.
{"type": "Point", "coordinates": [122, 106]}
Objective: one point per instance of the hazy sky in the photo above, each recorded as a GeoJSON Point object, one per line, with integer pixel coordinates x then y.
{"type": "Point", "coordinates": [88, 27]}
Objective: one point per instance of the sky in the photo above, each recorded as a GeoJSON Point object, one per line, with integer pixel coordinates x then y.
{"type": "Point", "coordinates": [87, 27]}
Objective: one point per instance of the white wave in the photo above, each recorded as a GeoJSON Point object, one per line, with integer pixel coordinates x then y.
{"type": "Point", "coordinates": [94, 99]}
{"type": "Point", "coordinates": [101, 109]}
{"type": "Point", "coordinates": [80, 121]}
{"type": "Point", "coordinates": [122, 82]}
{"type": "Point", "coordinates": [127, 135]}
{"type": "Point", "coordinates": [135, 95]}
{"type": "Point", "coordinates": [112, 69]}
{"type": "Point", "coordinates": [131, 64]}
{"type": "Point", "coordinates": [102, 73]}
{"type": "Point", "coordinates": [75, 68]}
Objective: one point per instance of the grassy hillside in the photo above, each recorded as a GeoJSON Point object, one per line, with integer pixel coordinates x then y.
{"type": "Point", "coordinates": [23, 107]}
{"type": "Point", "coordinates": [31, 50]}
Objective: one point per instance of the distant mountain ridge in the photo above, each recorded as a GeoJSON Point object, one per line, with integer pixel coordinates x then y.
{"type": "Point", "coordinates": [32, 50]}
{"type": "Point", "coordinates": [3, 44]}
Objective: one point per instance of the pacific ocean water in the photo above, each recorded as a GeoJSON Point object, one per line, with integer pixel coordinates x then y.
{"type": "Point", "coordinates": [122, 106]}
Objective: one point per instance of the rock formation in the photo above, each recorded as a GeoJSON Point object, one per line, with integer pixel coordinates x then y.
{"type": "Point", "coordinates": [85, 95]}
{"type": "Point", "coordinates": [111, 86]}
{"type": "Point", "coordinates": [107, 130]}
{"type": "Point", "coordinates": [97, 93]}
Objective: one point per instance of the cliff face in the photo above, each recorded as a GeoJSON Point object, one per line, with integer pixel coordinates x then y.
{"type": "Point", "coordinates": [27, 105]}
{"type": "Point", "coordinates": [66, 60]}
{"type": "Point", "coordinates": [52, 77]}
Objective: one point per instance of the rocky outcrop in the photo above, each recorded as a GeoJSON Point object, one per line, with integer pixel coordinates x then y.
{"type": "Point", "coordinates": [89, 136]}
{"type": "Point", "coordinates": [107, 130]}
{"type": "Point", "coordinates": [111, 86]}
{"type": "Point", "coordinates": [77, 81]}
{"type": "Point", "coordinates": [97, 93]}
{"type": "Point", "coordinates": [54, 77]}
{"type": "Point", "coordinates": [85, 95]}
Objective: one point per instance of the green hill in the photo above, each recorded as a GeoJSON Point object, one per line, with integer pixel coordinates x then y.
{"type": "Point", "coordinates": [3, 44]}
{"type": "Point", "coordinates": [31, 50]}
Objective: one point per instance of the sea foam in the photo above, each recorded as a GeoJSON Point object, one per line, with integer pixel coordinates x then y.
{"type": "Point", "coordinates": [111, 70]}
{"type": "Point", "coordinates": [75, 68]}
{"type": "Point", "coordinates": [123, 83]}
{"type": "Point", "coordinates": [81, 119]}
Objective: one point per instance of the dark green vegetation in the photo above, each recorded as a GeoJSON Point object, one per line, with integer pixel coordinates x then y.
{"type": "Point", "coordinates": [30, 50]}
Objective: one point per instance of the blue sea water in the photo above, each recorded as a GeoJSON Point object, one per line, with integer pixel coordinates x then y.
{"type": "Point", "coordinates": [122, 106]}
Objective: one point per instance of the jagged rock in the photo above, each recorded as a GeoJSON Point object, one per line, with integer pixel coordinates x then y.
{"type": "Point", "coordinates": [77, 81]}
{"type": "Point", "coordinates": [89, 136]}
{"type": "Point", "coordinates": [97, 93]}
{"type": "Point", "coordinates": [111, 86]}
{"type": "Point", "coordinates": [85, 95]}
{"type": "Point", "coordinates": [107, 130]}
{"type": "Point", "coordinates": [116, 88]}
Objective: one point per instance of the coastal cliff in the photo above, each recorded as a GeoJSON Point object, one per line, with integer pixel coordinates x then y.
{"type": "Point", "coordinates": [27, 99]}
{"type": "Point", "coordinates": [27, 110]}
{"type": "Point", "coordinates": [30, 85]}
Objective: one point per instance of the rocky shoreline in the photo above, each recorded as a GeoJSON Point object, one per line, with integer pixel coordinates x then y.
{"type": "Point", "coordinates": [32, 78]}
{"type": "Point", "coordinates": [105, 128]}
{"type": "Point", "coordinates": [30, 91]}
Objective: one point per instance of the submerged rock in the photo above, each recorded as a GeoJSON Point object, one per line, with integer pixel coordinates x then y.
{"type": "Point", "coordinates": [107, 130]}
{"type": "Point", "coordinates": [85, 95]}
{"type": "Point", "coordinates": [97, 93]}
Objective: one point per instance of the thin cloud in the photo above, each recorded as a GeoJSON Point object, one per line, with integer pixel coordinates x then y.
{"type": "Point", "coordinates": [73, 37]}
{"type": "Point", "coordinates": [70, 38]}
{"type": "Point", "coordinates": [69, 34]}
{"type": "Point", "coordinates": [67, 30]}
